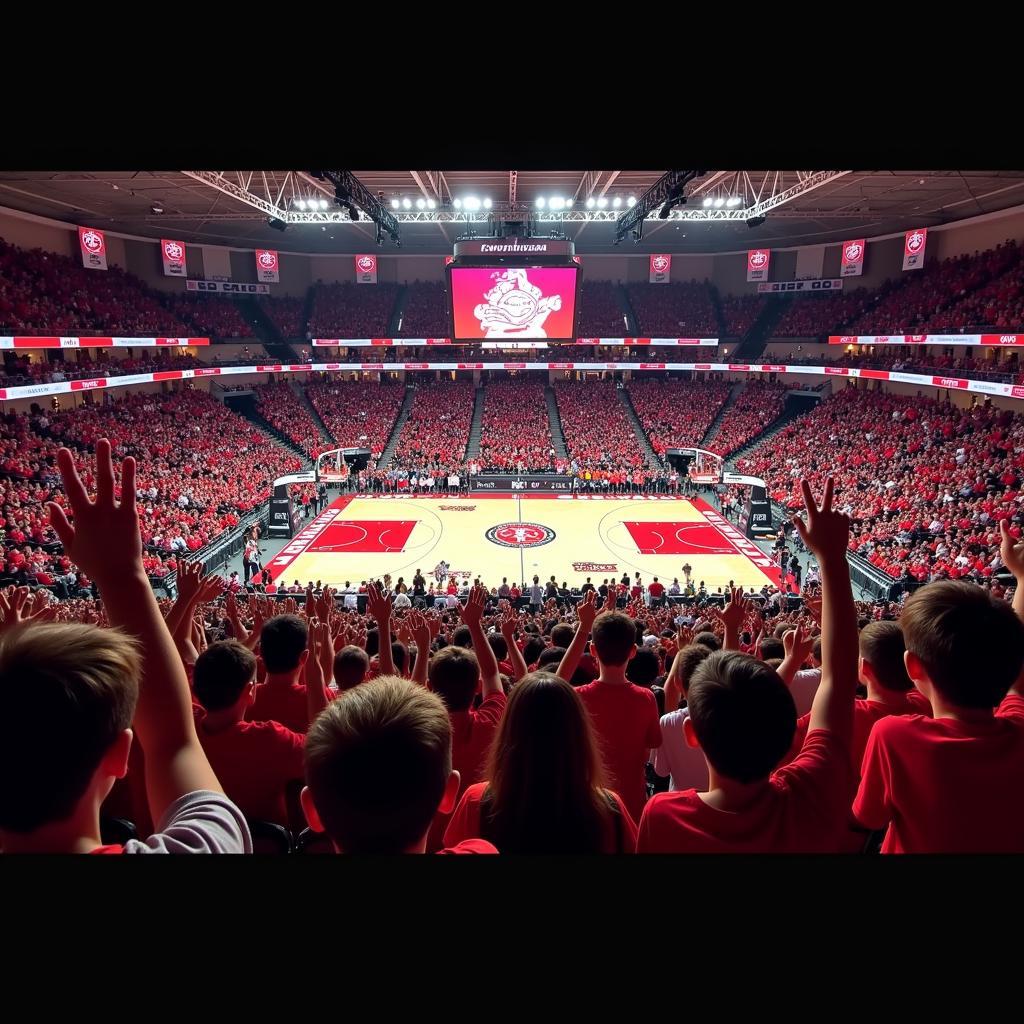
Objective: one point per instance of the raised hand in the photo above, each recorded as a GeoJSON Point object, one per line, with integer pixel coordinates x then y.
{"type": "Point", "coordinates": [16, 608]}
{"type": "Point", "coordinates": [420, 633]}
{"type": "Point", "coordinates": [586, 611]}
{"type": "Point", "coordinates": [735, 612]}
{"type": "Point", "coordinates": [610, 600]}
{"type": "Point", "coordinates": [826, 531]}
{"type": "Point", "coordinates": [507, 623]}
{"type": "Point", "coordinates": [473, 611]}
{"type": "Point", "coordinates": [1011, 550]}
{"type": "Point", "coordinates": [378, 603]}
{"type": "Point", "coordinates": [813, 605]}
{"type": "Point", "coordinates": [798, 645]}
{"type": "Point", "coordinates": [105, 539]}
{"type": "Point", "coordinates": [211, 587]}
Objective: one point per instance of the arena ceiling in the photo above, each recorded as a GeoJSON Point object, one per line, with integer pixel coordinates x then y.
{"type": "Point", "coordinates": [231, 207]}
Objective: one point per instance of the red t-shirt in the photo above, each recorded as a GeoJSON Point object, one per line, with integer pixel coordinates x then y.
{"type": "Point", "coordinates": [619, 837]}
{"type": "Point", "coordinates": [865, 714]}
{"type": "Point", "coordinates": [254, 762]}
{"type": "Point", "coordinates": [945, 786]}
{"type": "Point", "coordinates": [472, 732]}
{"type": "Point", "coordinates": [803, 809]}
{"type": "Point", "coordinates": [656, 589]}
{"type": "Point", "coordinates": [281, 702]}
{"type": "Point", "coordinates": [626, 723]}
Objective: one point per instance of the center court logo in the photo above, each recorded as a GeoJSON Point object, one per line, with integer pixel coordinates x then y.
{"type": "Point", "coordinates": [520, 535]}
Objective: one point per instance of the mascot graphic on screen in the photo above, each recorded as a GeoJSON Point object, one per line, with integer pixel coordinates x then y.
{"type": "Point", "coordinates": [515, 307]}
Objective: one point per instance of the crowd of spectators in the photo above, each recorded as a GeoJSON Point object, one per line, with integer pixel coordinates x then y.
{"type": "Point", "coordinates": [601, 314]}
{"type": "Point", "coordinates": [286, 314]}
{"type": "Point", "coordinates": [48, 294]}
{"type": "Point", "coordinates": [758, 405]}
{"type": "Point", "coordinates": [356, 414]}
{"type": "Point", "coordinates": [924, 481]}
{"type": "Point", "coordinates": [677, 413]}
{"type": "Point", "coordinates": [423, 311]}
{"type": "Point", "coordinates": [597, 431]}
{"type": "Point", "coordinates": [352, 310]}
{"type": "Point", "coordinates": [675, 310]}
{"type": "Point", "coordinates": [278, 404]}
{"type": "Point", "coordinates": [819, 315]}
{"type": "Point", "coordinates": [214, 316]}
{"type": "Point", "coordinates": [739, 313]}
{"type": "Point", "coordinates": [436, 433]}
{"type": "Point", "coordinates": [515, 433]}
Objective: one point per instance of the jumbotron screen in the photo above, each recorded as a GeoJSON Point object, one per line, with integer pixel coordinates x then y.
{"type": "Point", "coordinates": [496, 303]}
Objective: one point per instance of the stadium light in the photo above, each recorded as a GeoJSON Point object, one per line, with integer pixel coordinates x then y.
{"type": "Point", "coordinates": [323, 204]}
{"type": "Point", "coordinates": [631, 202]}
{"type": "Point", "coordinates": [421, 203]}
{"type": "Point", "coordinates": [602, 203]}
{"type": "Point", "coordinates": [590, 202]}
{"type": "Point", "coordinates": [707, 201]}
{"type": "Point", "coordinates": [471, 203]}
{"type": "Point", "coordinates": [406, 203]}
{"type": "Point", "coordinates": [719, 203]}
{"type": "Point", "coordinates": [457, 203]}
{"type": "Point", "coordinates": [617, 202]}
{"type": "Point", "coordinates": [395, 204]}
{"type": "Point", "coordinates": [300, 203]}
{"type": "Point", "coordinates": [431, 204]}
{"type": "Point", "coordinates": [732, 201]}
{"type": "Point", "coordinates": [556, 203]}
{"type": "Point", "coordinates": [487, 203]}
{"type": "Point", "coordinates": [540, 203]}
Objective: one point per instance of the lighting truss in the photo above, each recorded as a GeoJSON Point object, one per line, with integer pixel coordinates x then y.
{"type": "Point", "coordinates": [273, 194]}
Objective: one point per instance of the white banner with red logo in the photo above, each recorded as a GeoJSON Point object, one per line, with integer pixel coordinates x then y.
{"type": "Point", "coordinates": [366, 269]}
{"type": "Point", "coordinates": [853, 258]}
{"type": "Point", "coordinates": [914, 243]}
{"type": "Point", "coordinates": [94, 248]}
{"type": "Point", "coordinates": [661, 269]}
{"type": "Point", "coordinates": [173, 254]}
{"type": "Point", "coordinates": [267, 266]}
{"type": "Point", "coordinates": [758, 262]}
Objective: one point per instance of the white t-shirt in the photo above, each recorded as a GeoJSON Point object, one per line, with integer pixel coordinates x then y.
{"type": "Point", "coordinates": [402, 601]}
{"type": "Point", "coordinates": [199, 822]}
{"type": "Point", "coordinates": [685, 765]}
{"type": "Point", "coordinates": [804, 687]}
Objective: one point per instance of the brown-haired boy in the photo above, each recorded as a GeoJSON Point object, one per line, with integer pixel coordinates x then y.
{"type": "Point", "coordinates": [67, 732]}
{"type": "Point", "coordinates": [379, 769]}
{"type": "Point", "coordinates": [742, 715]}
{"type": "Point", "coordinates": [953, 783]}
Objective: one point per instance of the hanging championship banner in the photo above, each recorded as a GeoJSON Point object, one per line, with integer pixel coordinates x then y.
{"type": "Point", "coordinates": [366, 270]}
{"type": "Point", "coordinates": [661, 269]}
{"type": "Point", "coordinates": [173, 254]}
{"type": "Point", "coordinates": [913, 248]}
{"type": "Point", "coordinates": [94, 248]}
{"type": "Point", "coordinates": [853, 258]}
{"type": "Point", "coordinates": [758, 262]}
{"type": "Point", "coordinates": [266, 266]}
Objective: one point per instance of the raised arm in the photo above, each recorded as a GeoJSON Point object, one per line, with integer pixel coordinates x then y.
{"type": "Point", "coordinates": [508, 631]}
{"type": "Point", "coordinates": [586, 612]}
{"type": "Point", "coordinates": [1011, 551]}
{"type": "Point", "coordinates": [319, 666]}
{"type": "Point", "coordinates": [379, 606]}
{"type": "Point", "coordinates": [732, 617]}
{"type": "Point", "coordinates": [105, 541]}
{"type": "Point", "coordinates": [797, 644]}
{"type": "Point", "coordinates": [827, 533]}
{"type": "Point", "coordinates": [472, 615]}
{"type": "Point", "coordinates": [421, 635]}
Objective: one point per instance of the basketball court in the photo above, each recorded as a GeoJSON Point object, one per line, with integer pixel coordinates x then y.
{"type": "Point", "coordinates": [491, 536]}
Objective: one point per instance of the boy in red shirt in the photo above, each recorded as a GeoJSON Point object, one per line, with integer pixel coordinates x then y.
{"type": "Point", "coordinates": [455, 675]}
{"type": "Point", "coordinates": [625, 717]}
{"type": "Point", "coordinates": [255, 761]}
{"type": "Point", "coordinates": [379, 769]}
{"type": "Point", "coordinates": [72, 701]}
{"type": "Point", "coordinates": [953, 783]}
{"type": "Point", "coordinates": [743, 717]}
{"type": "Point", "coordinates": [890, 690]}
